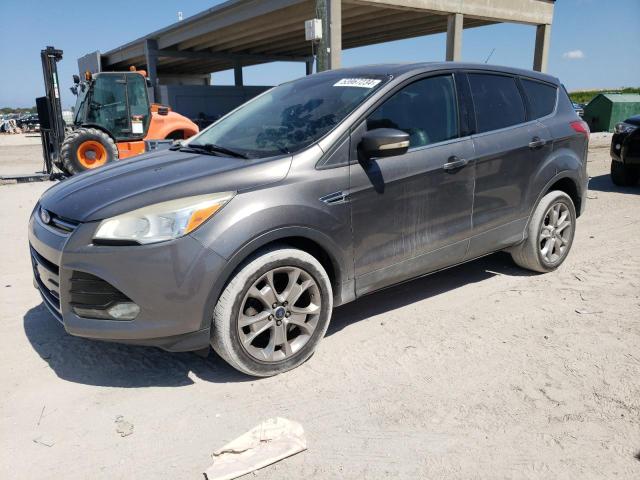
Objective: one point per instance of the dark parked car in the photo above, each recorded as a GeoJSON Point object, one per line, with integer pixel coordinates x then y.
{"type": "Point", "coordinates": [29, 122]}
{"type": "Point", "coordinates": [312, 194]}
{"type": "Point", "coordinates": [625, 152]}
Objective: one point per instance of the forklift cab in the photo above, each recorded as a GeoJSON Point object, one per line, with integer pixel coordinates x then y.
{"type": "Point", "coordinates": [116, 102]}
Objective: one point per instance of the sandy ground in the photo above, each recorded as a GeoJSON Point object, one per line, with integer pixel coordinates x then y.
{"type": "Point", "coordinates": [20, 154]}
{"type": "Point", "coordinates": [482, 371]}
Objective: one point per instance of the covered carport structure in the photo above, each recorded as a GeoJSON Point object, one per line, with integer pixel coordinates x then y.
{"type": "Point", "coordinates": [241, 33]}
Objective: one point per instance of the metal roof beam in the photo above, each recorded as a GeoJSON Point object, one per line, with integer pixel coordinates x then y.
{"type": "Point", "coordinates": [240, 12]}
{"type": "Point", "coordinates": [205, 55]}
{"type": "Point", "coordinates": [532, 12]}
{"type": "Point", "coordinates": [251, 28]}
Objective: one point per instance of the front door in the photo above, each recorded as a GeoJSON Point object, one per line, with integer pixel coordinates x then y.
{"type": "Point", "coordinates": [411, 213]}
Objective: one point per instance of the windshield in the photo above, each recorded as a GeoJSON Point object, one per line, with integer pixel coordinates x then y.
{"type": "Point", "coordinates": [290, 117]}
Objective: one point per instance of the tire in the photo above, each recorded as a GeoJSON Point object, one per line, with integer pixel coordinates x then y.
{"type": "Point", "coordinates": [266, 354]}
{"type": "Point", "coordinates": [85, 149]}
{"type": "Point", "coordinates": [624, 175]}
{"type": "Point", "coordinates": [540, 251]}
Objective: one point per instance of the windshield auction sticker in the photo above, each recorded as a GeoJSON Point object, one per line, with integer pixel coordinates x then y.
{"type": "Point", "coordinates": [357, 82]}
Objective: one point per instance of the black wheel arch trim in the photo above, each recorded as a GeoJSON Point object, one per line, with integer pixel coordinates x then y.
{"type": "Point", "coordinates": [343, 285]}
{"type": "Point", "coordinates": [543, 191]}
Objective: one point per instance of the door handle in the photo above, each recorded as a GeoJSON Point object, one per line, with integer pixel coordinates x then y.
{"type": "Point", "coordinates": [537, 142]}
{"type": "Point", "coordinates": [454, 163]}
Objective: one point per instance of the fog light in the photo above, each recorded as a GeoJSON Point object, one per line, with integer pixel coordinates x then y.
{"type": "Point", "coordinates": [124, 311]}
{"type": "Point", "coordinates": [119, 311]}
{"type": "Point", "coordinates": [91, 313]}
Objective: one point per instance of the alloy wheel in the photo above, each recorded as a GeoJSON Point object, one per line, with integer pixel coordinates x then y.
{"type": "Point", "coordinates": [279, 314]}
{"type": "Point", "coordinates": [556, 232]}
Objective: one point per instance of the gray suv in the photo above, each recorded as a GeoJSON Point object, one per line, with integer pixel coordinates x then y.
{"type": "Point", "coordinates": [309, 196]}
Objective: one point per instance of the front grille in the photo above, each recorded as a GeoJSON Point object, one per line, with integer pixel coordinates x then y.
{"type": "Point", "coordinates": [63, 224]}
{"type": "Point", "coordinates": [90, 291]}
{"type": "Point", "coordinates": [47, 279]}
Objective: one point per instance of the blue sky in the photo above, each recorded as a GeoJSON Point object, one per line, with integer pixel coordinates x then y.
{"type": "Point", "coordinates": [594, 43]}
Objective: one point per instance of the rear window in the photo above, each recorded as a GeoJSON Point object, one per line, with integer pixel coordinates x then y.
{"type": "Point", "coordinates": [541, 97]}
{"type": "Point", "coordinates": [497, 101]}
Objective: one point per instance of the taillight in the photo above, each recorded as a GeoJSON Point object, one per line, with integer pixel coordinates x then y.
{"type": "Point", "coordinates": [581, 126]}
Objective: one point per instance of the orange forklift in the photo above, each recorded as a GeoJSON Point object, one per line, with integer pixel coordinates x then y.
{"type": "Point", "coordinates": [113, 119]}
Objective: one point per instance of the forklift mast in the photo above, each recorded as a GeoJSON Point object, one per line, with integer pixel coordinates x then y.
{"type": "Point", "coordinates": [50, 109]}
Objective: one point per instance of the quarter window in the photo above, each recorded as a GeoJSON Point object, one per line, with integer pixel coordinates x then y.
{"type": "Point", "coordinates": [541, 97]}
{"type": "Point", "coordinates": [497, 101]}
{"type": "Point", "coordinates": [426, 110]}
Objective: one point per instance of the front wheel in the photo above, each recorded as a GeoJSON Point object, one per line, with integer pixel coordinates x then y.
{"type": "Point", "coordinates": [85, 149]}
{"type": "Point", "coordinates": [273, 313]}
{"type": "Point", "coordinates": [624, 175]}
{"type": "Point", "coordinates": [550, 234]}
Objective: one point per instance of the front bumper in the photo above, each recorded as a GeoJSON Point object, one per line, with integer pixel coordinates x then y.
{"type": "Point", "coordinates": [171, 282]}
{"type": "Point", "coordinates": [625, 147]}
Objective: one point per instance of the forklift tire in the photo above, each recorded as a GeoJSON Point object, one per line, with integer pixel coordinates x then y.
{"type": "Point", "coordinates": [85, 149]}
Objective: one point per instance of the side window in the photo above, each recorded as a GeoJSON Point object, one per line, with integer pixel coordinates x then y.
{"type": "Point", "coordinates": [426, 110]}
{"type": "Point", "coordinates": [138, 102]}
{"type": "Point", "coordinates": [541, 97]}
{"type": "Point", "coordinates": [497, 101]}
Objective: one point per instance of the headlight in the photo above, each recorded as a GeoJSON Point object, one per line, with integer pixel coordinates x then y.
{"type": "Point", "coordinates": [162, 221]}
{"type": "Point", "coordinates": [623, 127]}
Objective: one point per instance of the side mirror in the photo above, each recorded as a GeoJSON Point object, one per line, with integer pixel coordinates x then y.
{"type": "Point", "coordinates": [384, 142]}
{"type": "Point", "coordinates": [76, 79]}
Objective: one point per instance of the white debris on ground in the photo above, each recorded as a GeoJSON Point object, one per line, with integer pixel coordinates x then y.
{"type": "Point", "coordinates": [271, 441]}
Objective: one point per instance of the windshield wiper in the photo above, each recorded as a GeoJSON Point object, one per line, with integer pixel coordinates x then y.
{"type": "Point", "coordinates": [213, 148]}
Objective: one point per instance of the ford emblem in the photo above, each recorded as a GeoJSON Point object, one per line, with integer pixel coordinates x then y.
{"type": "Point", "coordinates": [44, 216]}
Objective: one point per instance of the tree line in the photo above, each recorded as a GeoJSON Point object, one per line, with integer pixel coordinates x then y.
{"type": "Point", "coordinates": [585, 96]}
{"type": "Point", "coordinates": [8, 110]}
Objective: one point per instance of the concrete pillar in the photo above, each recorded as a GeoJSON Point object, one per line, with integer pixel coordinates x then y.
{"type": "Point", "coordinates": [335, 33]}
{"type": "Point", "coordinates": [454, 37]}
{"type": "Point", "coordinates": [541, 54]}
{"type": "Point", "coordinates": [151, 59]}
{"type": "Point", "coordinates": [237, 75]}
{"type": "Point", "coordinates": [330, 46]}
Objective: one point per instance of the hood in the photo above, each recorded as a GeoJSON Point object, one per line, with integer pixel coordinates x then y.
{"type": "Point", "coordinates": [156, 177]}
{"type": "Point", "coordinates": [635, 120]}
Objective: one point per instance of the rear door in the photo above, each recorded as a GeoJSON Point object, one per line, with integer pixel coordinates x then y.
{"type": "Point", "coordinates": [508, 148]}
{"type": "Point", "coordinates": [410, 213]}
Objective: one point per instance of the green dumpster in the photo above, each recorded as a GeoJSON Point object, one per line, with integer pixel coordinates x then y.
{"type": "Point", "coordinates": [605, 110]}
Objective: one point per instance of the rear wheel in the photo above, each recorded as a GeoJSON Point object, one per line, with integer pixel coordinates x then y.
{"type": "Point", "coordinates": [624, 175]}
{"type": "Point", "coordinates": [85, 149]}
{"type": "Point", "coordinates": [273, 313]}
{"type": "Point", "coordinates": [550, 234]}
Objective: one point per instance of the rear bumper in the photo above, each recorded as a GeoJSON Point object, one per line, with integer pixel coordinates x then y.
{"type": "Point", "coordinates": [171, 282]}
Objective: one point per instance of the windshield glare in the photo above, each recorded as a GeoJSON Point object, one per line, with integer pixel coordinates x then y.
{"type": "Point", "coordinates": [292, 116]}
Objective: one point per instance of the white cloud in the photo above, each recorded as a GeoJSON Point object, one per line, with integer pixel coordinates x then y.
{"type": "Point", "coordinates": [573, 55]}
